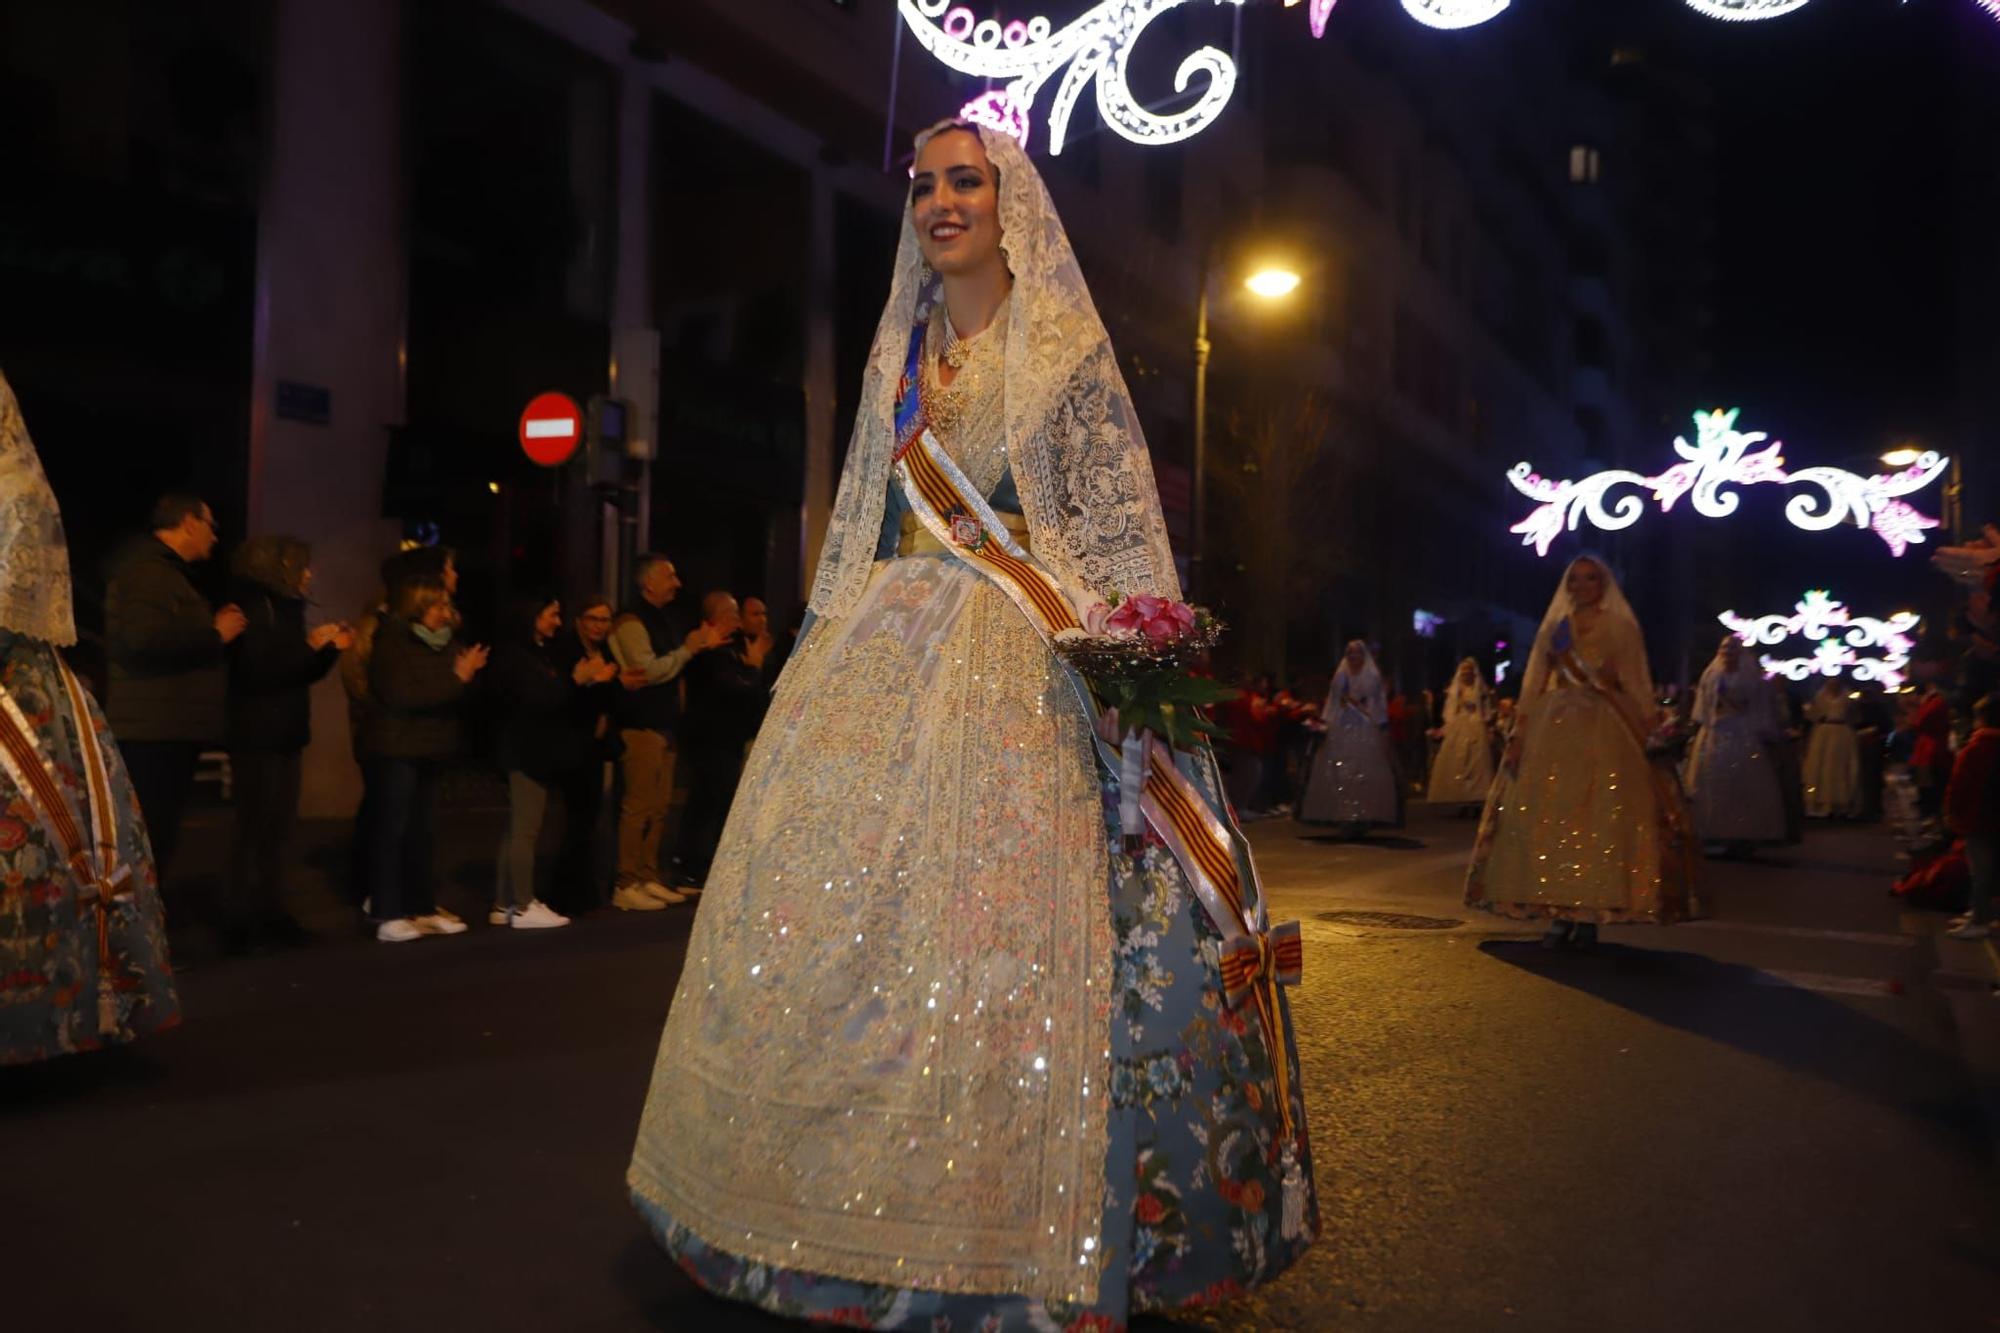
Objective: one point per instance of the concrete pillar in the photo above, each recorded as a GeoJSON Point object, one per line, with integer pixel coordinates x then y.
{"type": "Point", "coordinates": [332, 284]}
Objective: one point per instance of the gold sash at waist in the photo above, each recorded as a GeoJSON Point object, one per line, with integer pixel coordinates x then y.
{"type": "Point", "coordinates": [917, 539]}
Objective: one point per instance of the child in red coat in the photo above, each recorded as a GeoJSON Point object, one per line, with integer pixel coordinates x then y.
{"type": "Point", "coordinates": [1972, 810]}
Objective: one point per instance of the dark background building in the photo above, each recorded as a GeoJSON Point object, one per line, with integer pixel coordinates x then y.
{"type": "Point", "coordinates": [312, 259]}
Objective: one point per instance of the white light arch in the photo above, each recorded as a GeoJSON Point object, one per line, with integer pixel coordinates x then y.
{"type": "Point", "coordinates": [1837, 635]}
{"type": "Point", "coordinates": [1722, 458]}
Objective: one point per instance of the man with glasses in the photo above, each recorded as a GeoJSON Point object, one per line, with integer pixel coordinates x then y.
{"type": "Point", "coordinates": [165, 642]}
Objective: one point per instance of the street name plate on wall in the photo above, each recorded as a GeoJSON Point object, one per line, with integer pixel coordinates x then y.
{"type": "Point", "coordinates": [310, 403]}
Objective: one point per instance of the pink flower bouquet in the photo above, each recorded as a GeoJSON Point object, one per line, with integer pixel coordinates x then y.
{"type": "Point", "coordinates": [1141, 656]}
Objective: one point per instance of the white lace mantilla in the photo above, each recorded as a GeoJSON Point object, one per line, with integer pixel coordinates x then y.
{"type": "Point", "coordinates": [34, 557]}
{"type": "Point", "coordinates": [1073, 439]}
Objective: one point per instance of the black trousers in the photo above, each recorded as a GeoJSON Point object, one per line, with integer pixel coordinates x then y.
{"type": "Point", "coordinates": [713, 771]}
{"type": "Point", "coordinates": [162, 775]}
{"type": "Point", "coordinates": [266, 792]}
{"type": "Point", "coordinates": [582, 878]}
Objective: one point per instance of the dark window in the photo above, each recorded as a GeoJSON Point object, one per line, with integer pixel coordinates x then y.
{"type": "Point", "coordinates": [1593, 345]}
{"type": "Point", "coordinates": [1162, 184]}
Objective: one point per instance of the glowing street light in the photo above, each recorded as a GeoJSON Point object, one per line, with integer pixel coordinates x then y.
{"type": "Point", "coordinates": [1903, 455]}
{"type": "Point", "coordinates": [1273, 283]}
{"type": "Point", "coordinates": [1270, 284]}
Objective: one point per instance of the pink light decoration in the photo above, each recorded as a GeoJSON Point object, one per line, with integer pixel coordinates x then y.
{"type": "Point", "coordinates": [1899, 525]}
{"type": "Point", "coordinates": [998, 110]}
{"type": "Point", "coordinates": [1992, 8]}
{"type": "Point", "coordinates": [1320, 10]}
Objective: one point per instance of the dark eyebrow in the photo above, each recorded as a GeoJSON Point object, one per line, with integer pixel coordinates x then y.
{"type": "Point", "coordinates": [956, 166]}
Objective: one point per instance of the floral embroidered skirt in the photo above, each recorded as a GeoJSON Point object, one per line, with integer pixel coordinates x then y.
{"type": "Point", "coordinates": [1028, 1055]}
{"type": "Point", "coordinates": [59, 994]}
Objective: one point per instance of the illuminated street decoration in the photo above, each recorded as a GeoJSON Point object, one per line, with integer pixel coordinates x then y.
{"type": "Point", "coordinates": [1741, 10]}
{"type": "Point", "coordinates": [1095, 49]}
{"type": "Point", "coordinates": [1453, 14]}
{"type": "Point", "coordinates": [1721, 457]}
{"type": "Point", "coordinates": [1022, 55]}
{"type": "Point", "coordinates": [1837, 634]}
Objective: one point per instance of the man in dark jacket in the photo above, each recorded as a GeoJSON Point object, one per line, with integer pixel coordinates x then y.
{"type": "Point", "coordinates": [724, 705]}
{"type": "Point", "coordinates": [165, 645]}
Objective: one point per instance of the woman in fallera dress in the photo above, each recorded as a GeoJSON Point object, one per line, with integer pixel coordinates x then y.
{"type": "Point", "coordinates": [1732, 777]}
{"type": "Point", "coordinates": [1833, 755]}
{"type": "Point", "coordinates": [83, 947]}
{"type": "Point", "coordinates": [943, 1056]}
{"type": "Point", "coordinates": [1582, 826]}
{"type": "Point", "coordinates": [1463, 770]}
{"type": "Point", "coordinates": [1353, 781]}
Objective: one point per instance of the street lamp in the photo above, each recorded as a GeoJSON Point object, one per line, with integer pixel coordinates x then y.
{"type": "Point", "coordinates": [1271, 283]}
{"type": "Point", "coordinates": [1903, 455]}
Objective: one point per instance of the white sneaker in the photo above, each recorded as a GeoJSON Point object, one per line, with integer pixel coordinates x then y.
{"type": "Point", "coordinates": [400, 931]}
{"type": "Point", "coordinates": [665, 895]}
{"type": "Point", "coordinates": [438, 924]}
{"type": "Point", "coordinates": [538, 915]}
{"type": "Point", "coordinates": [633, 898]}
{"type": "Point", "coordinates": [1971, 930]}
{"type": "Point", "coordinates": [500, 916]}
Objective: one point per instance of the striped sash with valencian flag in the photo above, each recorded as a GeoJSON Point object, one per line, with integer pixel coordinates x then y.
{"type": "Point", "coordinates": [89, 842]}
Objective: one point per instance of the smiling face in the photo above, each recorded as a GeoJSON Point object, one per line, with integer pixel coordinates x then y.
{"type": "Point", "coordinates": [1357, 656]}
{"type": "Point", "coordinates": [955, 204]}
{"type": "Point", "coordinates": [1585, 583]}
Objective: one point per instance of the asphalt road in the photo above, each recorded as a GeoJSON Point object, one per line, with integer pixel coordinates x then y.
{"type": "Point", "coordinates": [1754, 1122]}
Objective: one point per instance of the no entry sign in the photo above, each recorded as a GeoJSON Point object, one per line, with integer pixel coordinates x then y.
{"type": "Point", "coordinates": [551, 428]}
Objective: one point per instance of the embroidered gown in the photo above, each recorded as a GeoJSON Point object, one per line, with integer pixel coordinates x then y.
{"type": "Point", "coordinates": [940, 1058]}
{"type": "Point", "coordinates": [1463, 769]}
{"type": "Point", "coordinates": [1587, 828]}
{"type": "Point", "coordinates": [1732, 774]}
{"type": "Point", "coordinates": [1833, 759]}
{"type": "Point", "coordinates": [57, 995]}
{"type": "Point", "coordinates": [1353, 776]}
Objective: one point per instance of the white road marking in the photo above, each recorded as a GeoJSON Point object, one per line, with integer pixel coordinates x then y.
{"type": "Point", "coordinates": [1807, 933]}
{"type": "Point", "coordinates": [1824, 981]}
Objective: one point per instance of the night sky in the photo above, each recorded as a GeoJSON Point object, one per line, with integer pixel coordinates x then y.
{"type": "Point", "coordinates": [1852, 164]}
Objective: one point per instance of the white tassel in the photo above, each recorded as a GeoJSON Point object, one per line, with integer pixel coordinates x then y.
{"type": "Point", "coordinates": [1292, 1222]}
{"type": "Point", "coordinates": [1131, 787]}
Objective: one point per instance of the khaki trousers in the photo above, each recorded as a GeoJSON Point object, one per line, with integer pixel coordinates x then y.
{"type": "Point", "coordinates": [642, 813]}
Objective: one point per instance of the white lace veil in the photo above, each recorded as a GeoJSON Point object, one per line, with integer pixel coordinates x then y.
{"type": "Point", "coordinates": [34, 556]}
{"type": "Point", "coordinates": [1363, 686]}
{"type": "Point", "coordinates": [1073, 441]}
{"type": "Point", "coordinates": [1459, 691]}
{"type": "Point", "coordinates": [1636, 678]}
{"type": "Point", "coordinates": [1747, 682]}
